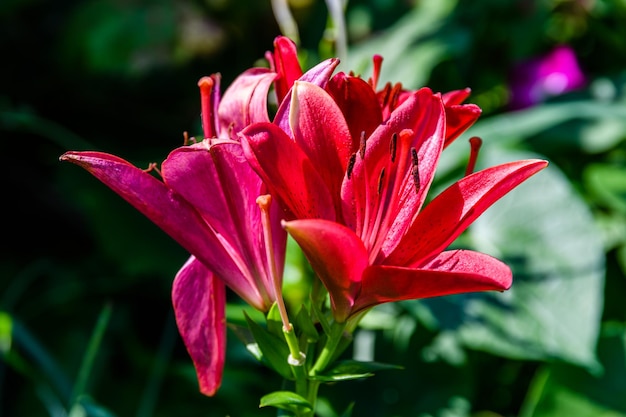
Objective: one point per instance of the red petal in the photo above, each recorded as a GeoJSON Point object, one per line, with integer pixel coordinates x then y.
{"type": "Point", "coordinates": [286, 65]}
{"type": "Point", "coordinates": [199, 306]}
{"type": "Point", "coordinates": [287, 172]}
{"type": "Point", "coordinates": [320, 130]}
{"type": "Point", "coordinates": [337, 256]}
{"type": "Point", "coordinates": [452, 272]}
{"type": "Point", "coordinates": [452, 211]}
{"type": "Point", "coordinates": [359, 105]}
{"type": "Point", "coordinates": [458, 119]}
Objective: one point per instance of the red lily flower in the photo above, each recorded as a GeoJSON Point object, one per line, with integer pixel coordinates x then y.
{"type": "Point", "coordinates": [353, 191]}
{"type": "Point", "coordinates": [206, 201]}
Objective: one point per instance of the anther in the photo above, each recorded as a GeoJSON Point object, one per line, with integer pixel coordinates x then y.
{"type": "Point", "coordinates": [351, 163]}
{"type": "Point", "coordinates": [362, 145]}
{"type": "Point", "coordinates": [475, 144]}
{"type": "Point", "coordinates": [378, 62]}
{"type": "Point", "coordinates": [415, 170]}
{"type": "Point", "coordinates": [380, 180]}
{"type": "Point", "coordinates": [392, 146]}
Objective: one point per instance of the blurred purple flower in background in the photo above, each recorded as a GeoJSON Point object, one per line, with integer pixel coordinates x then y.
{"type": "Point", "coordinates": [535, 80]}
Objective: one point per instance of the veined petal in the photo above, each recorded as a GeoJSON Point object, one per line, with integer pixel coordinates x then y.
{"type": "Point", "coordinates": [389, 185]}
{"type": "Point", "coordinates": [318, 75]}
{"type": "Point", "coordinates": [199, 299]}
{"type": "Point", "coordinates": [320, 130]}
{"type": "Point", "coordinates": [451, 272]}
{"type": "Point", "coordinates": [245, 101]}
{"type": "Point", "coordinates": [169, 211]}
{"type": "Point", "coordinates": [359, 105]}
{"type": "Point", "coordinates": [288, 173]}
{"type": "Point", "coordinates": [286, 65]}
{"type": "Point", "coordinates": [215, 178]}
{"type": "Point", "coordinates": [452, 211]}
{"type": "Point", "coordinates": [338, 257]}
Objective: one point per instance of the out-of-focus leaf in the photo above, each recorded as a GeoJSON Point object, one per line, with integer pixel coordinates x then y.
{"type": "Point", "coordinates": [411, 58]}
{"type": "Point", "coordinates": [350, 369]}
{"type": "Point", "coordinates": [285, 400]}
{"type": "Point", "coordinates": [608, 184]}
{"type": "Point", "coordinates": [546, 233]}
{"type": "Point", "coordinates": [565, 390]}
{"type": "Point", "coordinates": [6, 332]}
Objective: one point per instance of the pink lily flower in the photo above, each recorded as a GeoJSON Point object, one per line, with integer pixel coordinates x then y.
{"type": "Point", "coordinates": [206, 201]}
{"type": "Point", "coordinates": [352, 185]}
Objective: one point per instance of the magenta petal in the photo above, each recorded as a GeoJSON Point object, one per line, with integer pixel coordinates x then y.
{"type": "Point", "coordinates": [169, 211]}
{"type": "Point", "coordinates": [318, 75]}
{"type": "Point", "coordinates": [245, 101]}
{"type": "Point", "coordinates": [199, 299]}
{"type": "Point", "coordinates": [451, 272]}
{"type": "Point", "coordinates": [338, 257]}
{"type": "Point", "coordinates": [288, 173]}
{"type": "Point", "coordinates": [452, 211]}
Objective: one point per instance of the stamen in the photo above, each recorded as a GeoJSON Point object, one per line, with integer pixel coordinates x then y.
{"type": "Point", "coordinates": [392, 147]}
{"type": "Point", "coordinates": [415, 170]}
{"type": "Point", "coordinates": [206, 90]}
{"type": "Point", "coordinates": [475, 144]}
{"type": "Point", "coordinates": [264, 202]}
{"type": "Point", "coordinates": [362, 145]}
{"type": "Point", "coordinates": [351, 163]}
{"type": "Point", "coordinates": [380, 181]}
{"type": "Point", "coordinates": [153, 167]}
{"type": "Point", "coordinates": [378, 62]}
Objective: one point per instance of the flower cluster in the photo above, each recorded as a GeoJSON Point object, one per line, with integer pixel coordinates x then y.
{"type": "Point", "coordinates": [348, 166]}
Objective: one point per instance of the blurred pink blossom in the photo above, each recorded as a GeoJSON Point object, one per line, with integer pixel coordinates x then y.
{"type": "Point", "coordinates": [535, 80]}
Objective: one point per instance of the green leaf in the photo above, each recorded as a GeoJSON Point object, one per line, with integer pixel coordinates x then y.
{"type": "Point", "coordinates": [546, 233]}
{"type": "Point", "coordinates": [274, 321]}
{"type": "Point", "coordinates": [247, 338]}
{"type": "Point", "coordinates": [608, 184]}
{"type": "Point", "coordinates": [565, 390]}
{"type": "Point", "coordinates": [285, 400]}
{"type": "Point", "coordinates": [350, 369]}
{"type": "Point", "coordinates": [274, 349]}
{"type": "Point", "coordinates": [306, 326]}
{"type": "Point", "coordinates": [6, 332]}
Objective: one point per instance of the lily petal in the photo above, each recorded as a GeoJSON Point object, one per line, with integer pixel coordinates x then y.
{"type": "Point", "coordinates": [230, 209]}
{"type": "Point", "coordinates": [452, 272]}
{"type": "Point", "coordinates": [338, 257]}
{"type": "Point", "coordinates": [359, 105]}
{"type": "Point", "coordinates": [287, 172]}
{"type": "Point", "coordinates": [318, 75]}
{"type": "Point", "coordinates": [199, 299]}
{"type": "Point", "coordinates": [452, 211]}
{"type": "Point", "coordinates": [168, 210]}
{"type": "Point", "coordinates": [285, 64]}
{"type": "Point", "coordinates": [320, 130]}
{"type": "Point", "coordinates": [245, 101]}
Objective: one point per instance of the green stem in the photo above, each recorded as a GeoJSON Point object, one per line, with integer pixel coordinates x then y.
{"type": "Point", "coordinates": [332, 341]}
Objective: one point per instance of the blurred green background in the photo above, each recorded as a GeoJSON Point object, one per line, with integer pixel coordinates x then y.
{"type": "Point", "coordinates": [86, 325]}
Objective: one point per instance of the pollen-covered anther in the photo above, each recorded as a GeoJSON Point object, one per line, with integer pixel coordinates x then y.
{"type": "Point", "coordinates": [351, 163]}
{"type": "Point", "coordinates": [362, 145]}
{"type": "Point", "coordinates": [415, 172]}
{"type": "Point", "coordinates": [393, 144]}
{"type": "Point", "coordinates": [380, 180]}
